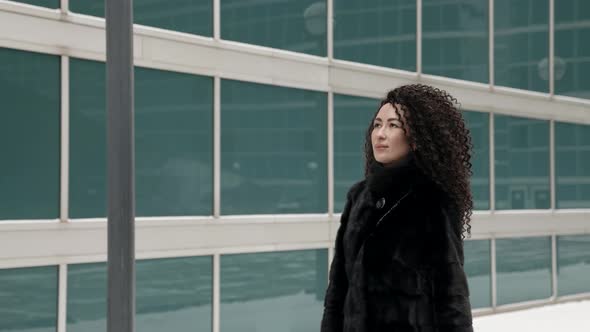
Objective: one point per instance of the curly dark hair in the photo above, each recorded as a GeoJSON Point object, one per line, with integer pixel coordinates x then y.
{"type": "Point", "coordinates": [440, 142]}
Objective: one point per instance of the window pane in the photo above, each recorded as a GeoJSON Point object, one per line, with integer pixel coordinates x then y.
{"type": "Point", "coordinates": [521, 44]}
{"type": "Point", "coordinates": [173, 142]}
{"type": "Point", "coordinates": [572, 53]}
{"type": "Point", "coordinates": [523, 268]}
{"type": "Point", "coordinates": [573, 270]}
{"type": "Point", "coordinates": [478, 270]}
{"type": "Point", "coordinates": [273, 149]}
{"type": "Point", "coordinates": [455, 39]}
{"type": "Point", "coordinates": [375, 32]}
{"type": "Point", "coordinates": [29, 135]}
{"type": "Point", "coordinates": [190, 16]}
{"type": "Point", "coordinates": [294, 25]}
{"type": "Point", "coordinates": [522, 163]}
{"type": "Point", "coordinates": [479, 126]}
{"type": "Point", "coordinates": [261, 292]}
{"type": "Point", "coordinates": [172, 294]}
{"type": "Point", "coordinates": [572, 165]}
{"type": "Point", "coordinates": [43, 3]}
{"type": "Point", "coordinates": [28, 299]}
{"type": "Point", "coordinates": [352, 116]}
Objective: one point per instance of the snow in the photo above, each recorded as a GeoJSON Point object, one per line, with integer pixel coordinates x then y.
{"type": "Point", "coordinates": [569, 316]}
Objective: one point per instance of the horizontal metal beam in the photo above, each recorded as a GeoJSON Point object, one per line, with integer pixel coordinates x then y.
{"type": "Point", "coordinates": [85, 241]}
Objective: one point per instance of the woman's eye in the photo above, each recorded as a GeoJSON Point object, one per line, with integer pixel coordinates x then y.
{"type": "Point", "coordinates": [393, 125]}
{"type": "Point", "coordinates": [375, 125]}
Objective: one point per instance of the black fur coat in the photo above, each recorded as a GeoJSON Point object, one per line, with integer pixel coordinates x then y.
{"type": "Point", "coordinates": [398, 262]}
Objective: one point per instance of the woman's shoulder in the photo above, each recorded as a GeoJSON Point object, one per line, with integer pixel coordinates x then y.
{"type": "Point", "coordinates": [355, 189]}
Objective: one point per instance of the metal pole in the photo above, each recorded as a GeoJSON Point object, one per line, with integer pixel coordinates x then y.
{"type": "Point", "coordinates": [121, 196]}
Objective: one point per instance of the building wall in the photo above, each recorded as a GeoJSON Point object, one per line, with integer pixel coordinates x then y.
{"type": "Point", "coordinates": [249, 121]}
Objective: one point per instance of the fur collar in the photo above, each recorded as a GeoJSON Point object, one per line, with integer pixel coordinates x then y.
{"type": "Point", "coordinates": [395, 180]}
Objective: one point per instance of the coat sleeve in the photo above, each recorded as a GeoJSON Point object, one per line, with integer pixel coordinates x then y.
{"type": "Point", "coordinates": [332, 320]}
{"type": "Point", "coordinates": [452, 307]}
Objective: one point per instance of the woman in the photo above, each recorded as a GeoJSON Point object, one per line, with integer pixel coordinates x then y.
{"type": "Point", "coordinates": [398, 262]}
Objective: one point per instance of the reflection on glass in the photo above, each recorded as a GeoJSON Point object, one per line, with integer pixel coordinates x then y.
{"type": "Point", "coordinates": [572, 165]}
{"type": "Point", "coordinates": [376, 32]}
{"type": "Point", "coordinates": [455, 39]}
{"type": "Point", "coordinates": [274, 291]}
{"type": "Point", "coordinates": [43, 3]}
{"type": "Point", "coordinates": [479, 126]}
{"type": "Point", "coordinates": [352, 116]}
{"type": "Point", "coordinates": [478, 270]}
{"type": "Point", "coordinates": [572, 49]}
{"type": "Point", "coordinates": [294, 25]}
{"type": "Point", "coordinates": [190, 16]}
{"type": "Point", "coordinates": [523, 269]}
{"type": "Point", "coordinates": [573, 264]}
{"type": "Point", "coordinates": [522, 163]}
{"type": "Point", "coordinates": [273, 149]}
{"type": "Point", "coordinates": [29, 135]}
{"type": "Point", "coordinates": [173, 142]}
{"type": "Point", "coordinates": [172, 294]}
{"type": "Point", "coordinates": [521, 44]}
{"type": "Point", "coordinates": [28, 299]}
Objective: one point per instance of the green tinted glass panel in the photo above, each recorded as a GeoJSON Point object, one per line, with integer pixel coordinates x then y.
{"type": "Point", "coordinates": [479, 126]}
{"type": "Point", "coordinates": [376, 32]}
{"type": "Point", "coordinates": [29, 135]}
{"type": "Point", "coordinates": [172, 294]}
{"type": "Point", "coordinates": [352, 116]}
{"type": "Point", "coordinates": [478, 270]}
{"type": "Point", "coordinates": [28, 299]}
{"type": "Point", "coordinates": [572, 165]}
{"type": "Point", "coordinates": [572, 49]}
{"type": "Point", "coordinates": [190, 16]}
{"type": "Point", "coordinates": [455, 39]}
{"type": "Point", "coordinates": [173, 142]}
{"type": "Point", "coordinates": [277, 291]}
{"type": "Point", "coordinates": [573, 270]}
{"type": "Point", "coordinates": [523, 269]}
{"type": "Point", "coordinates": [521, 44]}
{"type": "Point", "coordinates": [522, 163]}
{"type": "Point", "coordinates": [42, 3]}
{"type": "Point", "coordinates": [294, 25]}
{"type": "Point", "coordinates": [273, 149]}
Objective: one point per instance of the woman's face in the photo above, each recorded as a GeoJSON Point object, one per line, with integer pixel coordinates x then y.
{"type": "Point", "coordinates": [388, 139]}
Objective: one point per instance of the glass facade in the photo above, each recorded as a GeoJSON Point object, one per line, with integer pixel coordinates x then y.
{"type": "Point", "coordinates": [294, 25]}
{"type": "Point", "coordinates": [523, 269]}
{"type": "Point", "coordinates": [479, 272]}
{"type": "Point", "coordinates": [381, 33]}
{"type": "Point", "coordinates": [42, 3]}
{"type": "Point", "coordinates": [189, 16]}
{"type": "Point", "coordinates": [274, 144]}
{"type": "Point", "coordinates": [261, 292]}
{"type": "Point", "coordinates": [172, 294]}
{"type": "Point", "coordinates": [352, 116]}
{"type": "Point", "coordinates": [28, 299]}
{"type": "Point", "coordinates": [572, 50]}
{"type": "Point", "coordinates": [455, 39]}
{"type": "Point", "coordinates": [173, 142]}
{"type": "Point", "coordinates": [29, 135]}
{"type": "Point", "coordinates": [479, 127]}
{"type": "Point", "coordinates": [274, 148]}
{"type": "Point", "coordinates": [572, 165]}
{"type": "Point", "coordinates": [522, 163]}
{"type": "Point", "coordinates": [521, 44]}
{"type": "Point", "coordinates": [573, 255]}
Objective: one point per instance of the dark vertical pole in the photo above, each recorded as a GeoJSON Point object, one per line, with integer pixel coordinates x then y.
{"type": "Point", "coordinates": [121, 193]}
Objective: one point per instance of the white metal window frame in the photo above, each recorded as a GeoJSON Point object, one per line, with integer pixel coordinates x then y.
{"type": "Point", "coordinates": [63, 241]}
